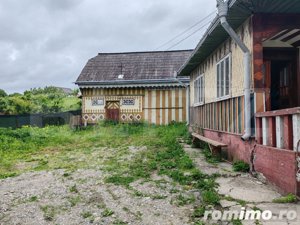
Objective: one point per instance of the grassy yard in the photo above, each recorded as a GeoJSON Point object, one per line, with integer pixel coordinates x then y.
{"type": "Point", "coordinates": [124, 153]}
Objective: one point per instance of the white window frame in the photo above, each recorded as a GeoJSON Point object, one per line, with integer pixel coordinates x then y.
{"type": "Point", "coordinates": [221, 92]}
{"type": "Point", "coordinates": [199, 90]}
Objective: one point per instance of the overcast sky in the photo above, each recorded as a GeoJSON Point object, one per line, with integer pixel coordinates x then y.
{"type": "Point", "coordinates": [48, 42]}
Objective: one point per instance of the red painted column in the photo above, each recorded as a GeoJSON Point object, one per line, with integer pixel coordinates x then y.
{"type": "Point", "coordinates": [288, 132]}
{"type": "Point", "coordinates": [272, 132]}
{"type": "Point", "coordinates": [259, 130]}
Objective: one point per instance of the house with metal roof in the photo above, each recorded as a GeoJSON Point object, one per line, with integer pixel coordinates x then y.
{"type": "Point", "coordinates": [245, 82]}
{"type": "Point", "coordinates": [134, 86]}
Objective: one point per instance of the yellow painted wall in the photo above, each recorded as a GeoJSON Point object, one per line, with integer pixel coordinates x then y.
{"type": "Point", "coordinates": [209, 68]}
{"type": "Point", "coordinates": [158, 106]}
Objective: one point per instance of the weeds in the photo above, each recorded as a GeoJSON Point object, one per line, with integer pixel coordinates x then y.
{"type": "Point", "coordinates": [73, 189]}
{"type": "Point", "coordinates": [107, 212]}
{"type": "Point", "coordinates": [119, 222]}
{"type": "Point", "coordinates": [241, 166]}
{"type": "Point", "coordinates": [49, 212]}
{"type": "Point", "coordinates": [211, 197]}
{"type": "Point", "coordinates": [86, 214]}
{"type": "Point", "coordinates": [290, 198]}
{"type": "Point", "coordinates": [33, 199]}
{"type": "Point", "coordinates": [74, 200]}
{"type": "Point", "coordinates": [62, 148]}
{"type": "Point", "coordinates": [119, 180]}
{"type": "Point", "coordinates": [182, 200]}
{"type": "Point", "coordinates": [239, 201]}
{"type": "Point", "coordinates": [199, 212]}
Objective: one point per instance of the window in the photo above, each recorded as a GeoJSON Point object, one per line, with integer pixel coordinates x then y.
{"type": "Point", "coordinates": [97, 101]}
{"type": "Point", "coordinates": [223, 77]}
{"type": "Point", "coordinates": [199, 90]}
{"type": "Point", "coordinates": [128, 102]}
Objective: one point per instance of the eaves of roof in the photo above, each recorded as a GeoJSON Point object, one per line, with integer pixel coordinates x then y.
{"type": "Point", "coordinates": [180, 82]}
{"type": "Point", "coordinates": [239, 11]}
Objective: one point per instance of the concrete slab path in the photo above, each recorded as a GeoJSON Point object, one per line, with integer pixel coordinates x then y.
{"type": "Point", "coordinates": [243, 190]}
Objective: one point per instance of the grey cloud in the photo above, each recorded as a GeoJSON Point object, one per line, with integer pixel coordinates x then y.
{"type": "Point", "coordinates": [47, 42]}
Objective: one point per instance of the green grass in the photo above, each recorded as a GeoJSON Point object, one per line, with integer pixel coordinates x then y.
{"type": "Point", "coordinates": [199, 212]}
{"type": "Point", "coordinates": [240, 166]}
{"type": "Point", "coordinates": [49, 212]}
{"type": "Point", "coordinates": [106, 147]}
{"type": "Point", "coordinates": [210, 158]}
{"type": "Point", "coordinates": [290, 198]}
{"type": "Point", "coordinates": [107, 212]}
{"type": "Point", "coordinates": [33, 199]}
{"type": "Point", "coordinates": [182, 200]}
{"type": "Point", "coordinates": [86, 214]}
{"type": "Point", "coordinates": [210, 197]}
{"type": "Point", "coordinates": [239, 201]}
{"type": "Point", "coordinates": [73, 189]}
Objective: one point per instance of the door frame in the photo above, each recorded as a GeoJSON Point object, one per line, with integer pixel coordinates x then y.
{"type": "Point", "coordinates": [116, 108]}
{"type": "Point", "coordinates": [270, 55]}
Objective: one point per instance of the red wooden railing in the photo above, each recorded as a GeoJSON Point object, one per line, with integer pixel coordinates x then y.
{"type": "Point", "coordinates": [280, 128]}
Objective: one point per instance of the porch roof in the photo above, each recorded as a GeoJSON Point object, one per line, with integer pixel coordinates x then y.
{"type": "Point", "coordinates": [239, 11]}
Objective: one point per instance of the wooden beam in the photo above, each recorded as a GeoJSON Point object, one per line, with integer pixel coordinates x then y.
{"type": "Point", "coordinates": [296, 131]}
{"type": "Point", "coordinates": [287, 132]}
{"type": "Point", "coordinates": [272, 132]}
{"type": "Point", "coordinates": [208, 140]}
{"type": "Point", "coordinates": [259, 131]}
{"type": "Point", "coordinates": [281, 112]}
{"type": "Point", "coordinates": [279, 132]}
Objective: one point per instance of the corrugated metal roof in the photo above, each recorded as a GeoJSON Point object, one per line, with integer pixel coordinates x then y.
{"type": "Point", "coordinates": [239, 11]}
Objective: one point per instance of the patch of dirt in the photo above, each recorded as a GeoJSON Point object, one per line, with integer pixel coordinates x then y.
{"type": "Point", "coordinates": [82, 197]}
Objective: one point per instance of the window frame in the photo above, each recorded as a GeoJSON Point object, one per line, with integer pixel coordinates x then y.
{"type": "Point", "coordinates": [223, 88]}
{"type": "Point", "coordinates": [199, 98]}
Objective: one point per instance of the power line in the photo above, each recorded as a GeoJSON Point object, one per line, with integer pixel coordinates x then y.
{"type": "Point", "coordinates": [189, 35]}
{"type": "Point", "coordinates": [185, 31]}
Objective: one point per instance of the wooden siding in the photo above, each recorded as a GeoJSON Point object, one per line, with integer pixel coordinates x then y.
{"type": "Point", "coordinates": [209, 69]}
{"type": "Point", "coordinates": [225, 116]}
{"type": "Point", "coordinates": [157, 106]}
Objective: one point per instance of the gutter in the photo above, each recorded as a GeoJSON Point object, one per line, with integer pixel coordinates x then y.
{"type": "Point", "coordinates": [222, 13]}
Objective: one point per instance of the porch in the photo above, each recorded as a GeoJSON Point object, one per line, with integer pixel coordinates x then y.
{"type": "Point", "coordinates": [277, 152]}
{"type": "Point", "coordinates": [279, 128]}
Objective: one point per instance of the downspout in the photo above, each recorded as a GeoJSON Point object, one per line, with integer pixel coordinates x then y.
{"type": "Point", "coordinates": [222, 12]}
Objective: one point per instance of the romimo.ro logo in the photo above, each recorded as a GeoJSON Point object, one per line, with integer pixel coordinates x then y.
{"type": "Point", "coordinates": [244, 214]}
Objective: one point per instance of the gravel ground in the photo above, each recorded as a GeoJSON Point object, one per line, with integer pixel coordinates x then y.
{"type": "Point", "coordinates": [82, 197]}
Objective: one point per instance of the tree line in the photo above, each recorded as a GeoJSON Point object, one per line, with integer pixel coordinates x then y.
{"type": "Point", "coordinates": [39, 100]}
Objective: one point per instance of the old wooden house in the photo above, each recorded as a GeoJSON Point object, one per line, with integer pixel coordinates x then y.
{"type": "Point", "coordinates": [245, 82]}
{"type": "Point", "coordinates": [134, 86]}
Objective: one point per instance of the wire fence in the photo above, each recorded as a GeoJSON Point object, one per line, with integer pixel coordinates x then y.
{"type": "Point", "coordinates": [41, 120]}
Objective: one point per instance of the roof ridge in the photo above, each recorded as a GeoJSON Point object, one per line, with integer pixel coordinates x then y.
{"type": "Point", "coordinates": [141, 52]}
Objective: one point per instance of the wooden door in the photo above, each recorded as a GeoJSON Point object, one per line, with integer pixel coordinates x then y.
{"type": "Point", "coordinates": [113, 111]}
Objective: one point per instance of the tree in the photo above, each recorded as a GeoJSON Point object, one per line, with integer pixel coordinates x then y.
{"type": "Point", "coordinates": [2, 93]}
